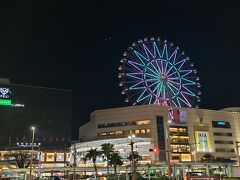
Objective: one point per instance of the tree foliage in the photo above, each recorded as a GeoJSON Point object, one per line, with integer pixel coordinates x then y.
{"type": "Point", "coordinates": [115, 160]}
{"type": "Point", "coordinates": [136, 157]}
{"type": "Point", "coordinates": [107, 151]}
{"type": "Point", "coordinates": [20, 158]}
{"type": "Point", "coordinates": [208, 158]}
{"type": "Point", "coordinates": [92, 154]}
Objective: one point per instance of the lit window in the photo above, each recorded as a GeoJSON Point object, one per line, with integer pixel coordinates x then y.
{"type": "Point", "coordinates": [143, 122]}
{"type": "Point", "coordinates": [148, 130]}
{"type": "Point", "coordinates": [50, 157]}
{"type": "Point", "coordinates": [131, 132]}
{"type": "Point", "coordinates": [112, 133]}
{"type": "Point", "coordinates": [173, 129]}
{"type": "Point", "coordinates": [119, 132]}
{"type": "Point", "coordinates": [60, 157]}
{"type": "Point", "coordinates": [143, 131]}
{"type": "Point", "coordinates": [182, 129]}
{"type": "Point", "coordinates": [185, 157]}
{"type": "Point", "coordinates": [103, 134]}
{"type": "Point", "coordinates": [137, 131]}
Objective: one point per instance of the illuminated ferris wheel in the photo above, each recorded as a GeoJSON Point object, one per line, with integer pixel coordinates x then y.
{"type": "Point", "coordinates": [156, 72]}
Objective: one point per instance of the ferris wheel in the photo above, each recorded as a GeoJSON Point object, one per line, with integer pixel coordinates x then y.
{"type": "Point", "coordinates": [153, 71]}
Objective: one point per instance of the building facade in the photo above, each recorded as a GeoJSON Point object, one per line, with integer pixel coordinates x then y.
{"type": "Point", "coordinates": [186, 133]}
{"type": "Point", "coordinates": [49, 110]}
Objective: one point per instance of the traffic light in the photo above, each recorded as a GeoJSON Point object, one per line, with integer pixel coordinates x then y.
{"type": "Point", "coordinates": [153, 150]}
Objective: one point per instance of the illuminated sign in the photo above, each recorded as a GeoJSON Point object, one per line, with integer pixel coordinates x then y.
{"type": "Point", "coordinates": [221, 124]}
{"type": "Point", "coordinates": [28, 144]}
{"type": "Point", "coordinates": [5, 102]}
{"type": "Point", "coordinates": [203, 143]}
{"type": "Point", "coordinates": [4, 92]}
{"type": "Point", "coordinates": [18, 105]}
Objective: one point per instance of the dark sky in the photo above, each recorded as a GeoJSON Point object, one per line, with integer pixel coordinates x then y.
{"type": "Point", "coordinates": [62, 44]}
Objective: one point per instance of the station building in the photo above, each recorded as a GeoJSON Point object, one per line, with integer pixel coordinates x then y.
{"type": "Point", "coordinates": [23, 106]}
{"type": "Point", "coordinates": [186, 133]}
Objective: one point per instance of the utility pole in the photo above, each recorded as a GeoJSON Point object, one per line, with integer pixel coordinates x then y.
{"type": "Point", "coordinates": [33, 133]}
{"type": "Point", "coordinates": [168, 158]}
{"type": "Point", "coordinates": [132, 157]}
{"type": "Point", "coordinates": [74, 160]}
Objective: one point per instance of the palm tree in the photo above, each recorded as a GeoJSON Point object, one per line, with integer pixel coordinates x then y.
{"type": "Point", "coordinates": [208, 157]}
{"type": "Point", "coordinates": [136, 157]}
{"type": "Point", "coordinates": [107, 150]}
{"type": "Point", "coordinates": [115, 160]}
{"type": "Point", "coordinates": [92, 154]}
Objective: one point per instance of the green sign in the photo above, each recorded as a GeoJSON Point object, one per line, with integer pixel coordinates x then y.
{"type": "Point", "coordinates": [5, 102]}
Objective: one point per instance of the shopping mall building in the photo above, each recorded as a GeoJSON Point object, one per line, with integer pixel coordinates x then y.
{"type": "Point", "coordinates": [187, 133]}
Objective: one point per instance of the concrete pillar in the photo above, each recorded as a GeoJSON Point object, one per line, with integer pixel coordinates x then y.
{"type": "Point", "coordinates": [207, 170]}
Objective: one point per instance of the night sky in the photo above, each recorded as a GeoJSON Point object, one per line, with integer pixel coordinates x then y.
{"type": "Point", "coordinates": [78, 44]}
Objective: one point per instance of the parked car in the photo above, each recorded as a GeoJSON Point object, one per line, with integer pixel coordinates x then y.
{"type": "Point", "coordinates": [200, 175]}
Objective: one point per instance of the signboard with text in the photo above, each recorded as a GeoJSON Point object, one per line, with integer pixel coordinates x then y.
{"type": "Point", "coordinates": [202, 139]}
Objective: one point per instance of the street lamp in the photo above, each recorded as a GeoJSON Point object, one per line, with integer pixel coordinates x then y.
{"type": "Point", "coordinates": [33, 133]}
{"type": "Point", "coordinates": [194, 155]}
{"type": "Point", "coordinates": [131, 138]}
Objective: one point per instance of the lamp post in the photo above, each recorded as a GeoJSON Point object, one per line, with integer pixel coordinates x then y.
{"type": "Point", "coordinates": [33, 133]}
{"type": "Point", "coordinates": [169, 157]}
{"type": "Point", "coordinates": [194, 155]}
{"type": "Point", "coordinates": [74, 160]}
{"type": "Point", "coordinates": [131, 138]}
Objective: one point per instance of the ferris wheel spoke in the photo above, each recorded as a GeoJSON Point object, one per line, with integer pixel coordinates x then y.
{"type": "Point", "coordinates": [179, 104]}
{"type": "Point", "coordinates": [173, 55]}
{"type": "Point", "coordinates": [165, 52]}
{"type": "Point", "coordinates": [151, 80]}
{"type": "Point", "coordinates": [156, 50]}
{"type": "Point", "coordinates": [141, 57]}
{"type": "Point", "coordinates": [153, 84]}
{"type": "Point", "coordinates": [170, 84]}
{"type": "Point", "coordinates": [151, 75]}
{"type": "Point", "coordinates": [174, 82]}
{"type": "Point", "coordinates": [159, 69]}
{"type": "Point", "coordinates": [156, 87]}
{"type": "Point", "coordinates": [164, 92]}
{"type": "Point", "coordinates": [189, 82]}
{"type": "Point", "coordinates": [150, 100]}
{"type": "Point", "coordinates": [186, 72]}
{"type": "Point", "coordinates": [136, 86]}
{"type": "Point", "coordinates": [174, 78]}
{"type": "Point", "coordinates": [153, 71]}
{"type": "Point", "coordinates": [136, 65]}
{"type": "Point", "coordinates": [165, 69]}
{"type": "Point", "coordinates": [159, 90]}
{"type": "Point", "coordinates": [134, 75]}
{"type": "Point", "coordinates": [189, 94]}
{"type": "Point", "coordinates": [185, 100]}
{"type": "Point", "coordinates": [174, 102]}
{"type": "Point", "coordinates": [142, 97]}
{"type": "Point", "coordinates": [188, 91]}
{"type": "Point", "coordinates": [171, 74]}
{"type": "Point", "coordinates": [147, 52]}
{"type": "Point", "coordinates": [171, 89]}
{"type": "Point", "coordinates": [181, 63]}
{"type": "Point", "coordinates": [169, 69]}
{"type": "Point", "coordinates": [162, 65]}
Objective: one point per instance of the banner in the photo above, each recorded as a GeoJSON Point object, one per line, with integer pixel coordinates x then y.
{"type": "Point", "coordinates": [202, 139]}
{"type": "Point", "coordinates": [178, 116]}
